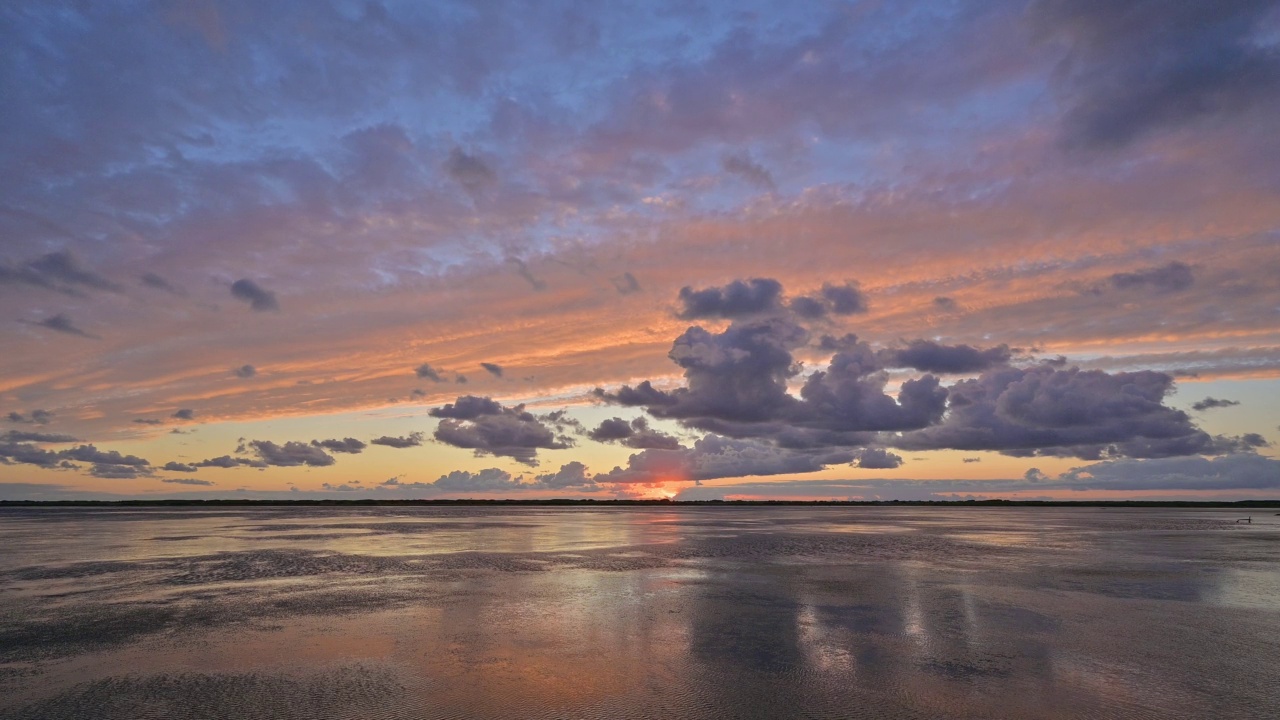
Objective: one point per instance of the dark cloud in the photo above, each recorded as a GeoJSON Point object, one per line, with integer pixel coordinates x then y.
{"type": "Point", "coordinates": [1135, 68]}
{"type": "Point", "coordinates": [1209, 403]}
{"type": "Point", "coordinates": [570, 475]}
{"type": "Point", "coordinates": [91, 454]}
{"type": "Point", "coordinates": [945, 304]}
{"type": "Point", "coordinates": [57, 271]}
{"type": "Point", "coordinates": [36, 417]}
{"type": "Point", "coordinates": [290, 454]}
{"type": "Point", "coordinates": [461, 379]}
{"type": "Point", "coordinates": [344, 487]}
{"type": "Point", "coordinates": [487, 427]}
{"type": "Point", "coordinates": [147, 421]}
{"type": "Point", "coordinates": [523, 271]}
{"type": "Point", "coordinates": [1044, 410]}
{"type": "Point", "coordinates": [635, 434]}
{"type": "Point", "coordinates": [718, 457]}
{"type": "Point", "coordinates": [156, 282]}
{"type": "Point", "coordinates": [245, 371]}
{"type": "Point", "coordinates": [1236, 471]}
{"type": "Point", "coordinates": [187, 481]}
{"type": "Point", "coordinates": [488, 480]}
{"type": "Point", "coordinates": [61, 323]}
{"type": "Point", "coordinates": [846, 299]}
{"type": "Point", "coordinates": [259, 298]}
{"type": "Point", "coordinates": [226, 461]}
{"type": "Point", "coordinates": [29, 454]}
{"type": "Point", "coordinates": [741, 165]}
{"type": "Point", "coordinates": [1173, 277]}
{"type": "Point", "coordinates": [413, 439]}
{"type": "Point", "coordinates": [346, 445]}
{"type": "Point", "coordinates": [426, 372]}
{"type": "Point", "coordinates": [119, 472]}
{"type": "Point", "coordinates": [878, 459]}
{"type": "Point", "coordinates": [971, 460]}
{"type": "Point", "coordinates": [739, 298]}
{"type": "Point", "coordinates": [184, 414]}
{"type": "Point", "coordinates": [179, 467]}
{"type": "Point", "coordinates": [13, 436]}
{"type": "Point", "coordinates": [493, 369]}
{"type": "Point", "coordinates": [418, 393]}
{"type": "Point", "coordinates": [470, 172]}
{"type": "Point", "coordinates": [625, 283]}
{"type": "Point", "coordinates": [929, 356]}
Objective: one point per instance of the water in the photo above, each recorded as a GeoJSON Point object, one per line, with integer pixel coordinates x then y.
{"type": "Point", "coordinates": [638, 612]}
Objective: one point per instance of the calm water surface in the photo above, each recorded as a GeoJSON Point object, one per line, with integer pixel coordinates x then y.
{"type": "Point", "coordinates": [637, 612]}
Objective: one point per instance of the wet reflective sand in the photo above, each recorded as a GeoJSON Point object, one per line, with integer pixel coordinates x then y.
{"type": "Point", "coordinates": [639, 612]}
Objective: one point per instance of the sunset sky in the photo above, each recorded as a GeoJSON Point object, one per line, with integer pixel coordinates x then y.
{"type": "Point", "coordinates": [594, 249]}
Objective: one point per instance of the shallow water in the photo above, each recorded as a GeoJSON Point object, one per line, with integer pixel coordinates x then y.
{"type": "Point", "coordinates": [639, 612]}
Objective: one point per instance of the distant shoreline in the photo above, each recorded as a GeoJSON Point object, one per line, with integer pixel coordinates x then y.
{"type": "Point", "coordinates": [1240, 504]}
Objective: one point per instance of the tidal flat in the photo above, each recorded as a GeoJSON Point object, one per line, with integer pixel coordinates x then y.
{"type": "Point", "coordinates": [700, 612]}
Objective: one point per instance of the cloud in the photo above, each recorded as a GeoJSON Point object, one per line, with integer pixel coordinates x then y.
{"type": "Point", "coordinates": [635, 434]}
{"type": "Point", "coordinates": [245, 371]}
{"type": "Point", "coordinates": [739, 298]}
{"type": "Point", "coordinates": [1174, 277]}
{"type": "Point", "coordinates": [13, 436]}
{"type": "Point", "coordinates": [61, 323]}
{"type": "Point", "coordinates": [741, 165]}
{"type": "Point", "coordinates": [493, 369]}
{"type": "Point", "coordinates": [91, 454]}
{"type": "Point", "coordinates": [929, 356]}
{"type": "Point", "coordinates": [570, 475]}
{"type": "Point", "coordinates": [58, 271]}
{"type": "Point", "coordinates": [184, 414]}
{"type": "Point", "coordinates": [971, 460]}
{"type": "Point", "coordinates": [259, 298]}
{"type": "Point", "coordinates": [625, 283]}
{"type": "Point", "coordinates": [346, 445]}
{"type": "Point", "coordinates": [188, 481]}
{"type": "Point", "coordinates": [119, 472]}
{"type": "Point", "coordinates": [156, 282]}
{"type": "Point", "coordinates": [226, 462]}
{"type": "Point", "coordinates": [945, 304]}
{"type": "Point", "coordinates": [426, 372]}
{"type": "Point", "coordinates": [713, 457]}
{"type": "Point", "coordinates": [488, 480]}
{"type": "Point", "coordinates": [1134, 69]}
{"type": "Point", "coordinates": [413, 439]}
{"type": "Point", "coordinates": [483, 425]}
{"type": "Point", "coordinates": [290, 454]}
{"type": "Point", "coordinates": [470, 172]}
{"type": "Point", "coordinates": [878, 459]}
{"type": "Point", "coordinates": [339, 488]}
{"type": "Point", "coordinates": [179, 467]}
{"type": "Point", "coordinates": [36, 417]}
{"type": "Point", "coordinates": [147, 421]}
{"type": "Point", "coordinates": [1209, 403]}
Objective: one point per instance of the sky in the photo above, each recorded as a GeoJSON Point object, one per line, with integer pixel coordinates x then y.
{"type": "Point", "coordinates": [828, 250]}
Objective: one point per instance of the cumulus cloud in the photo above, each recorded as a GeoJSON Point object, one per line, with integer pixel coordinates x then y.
{"type": "Point", "coordinates": [488, 480]}
{"type": "Point", "coordinates": [634, 434]}
{"type": "Point", "coordinates": [12, 436]}
{"type": "Point", "coordinates": [188, 481]}
{"type": "Point", "coordinates": [119, 472]}
{"type": "Point", "coordinates": [413, 439]}
{"type": "Point", "coordinates": [290, 454]}
{"type": "Point", "coordinates": [426, 372]}
{"type": "Point", "coordinates": [929, 356]}
{"type": "Point", "coordinates": [484, 425]}
{"type": "Point", "coordinates": [713, 456]}
{"type": "Point", "coordinates": [570, 475]}
{"type": "Point", "coordinates": [173, 466]}
{"type": "Point", "coordinates": [245, 371]}
{"type": "Point", "coordinates": [1209, 403]}
{"type": "Point", "coordinates": [259, 298]}
{"type": "Point", "coordinates": [227, 461]}
{"type": "Point", "coordinates": [492, 368]}
{"type": "Point", "coordinates": [1170, 278]}
{"type": "Point", "coordinates": [91, 454]}
{"type": "Point", "coordinates": [739, 298]}
{"type": "Point", "coordinates": [346, 445]}
{"type": "Point", "coordinates": [878, 459]}
{"type": "Point", "coordinates": [184, 414]}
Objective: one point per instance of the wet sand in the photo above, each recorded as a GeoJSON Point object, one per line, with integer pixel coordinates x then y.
{"type": "Point", "coordinates": [840, 612]}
